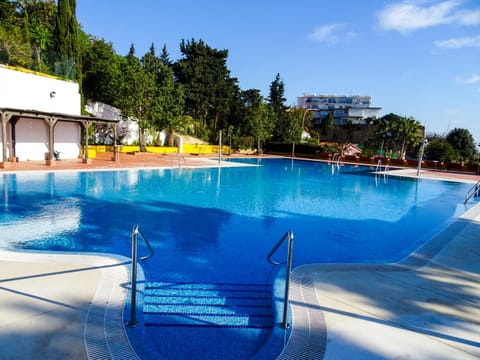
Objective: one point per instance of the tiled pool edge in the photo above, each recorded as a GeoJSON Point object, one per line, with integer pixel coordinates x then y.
{"type": "Point", "coordinates": [308, 334]}
{"type": "Point", "coordinates": [105, 333]}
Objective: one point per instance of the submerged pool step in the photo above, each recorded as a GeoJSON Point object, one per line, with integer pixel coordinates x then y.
{"type": "Point", "coordinates": [207, 305]}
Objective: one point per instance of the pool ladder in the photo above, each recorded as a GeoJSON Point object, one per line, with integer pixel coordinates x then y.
{"type": "Point", "coordinates": [386, 168]}
{"type": "Point", "coordinates": [287, 237]}
{"type": "Point", "coordinates": [133, 302]}
{"type": "Point", "coordinates": [473, 192]}
{"type": "Point", "coordinates": [337, 159]}
{"type": "Point", "coordinates": [180, 159]}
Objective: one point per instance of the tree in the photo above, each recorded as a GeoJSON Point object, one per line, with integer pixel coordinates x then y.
{"type": "Point", "coordinates": [101, 72]}
{"type": "Point", "coordinates": [168, 102]}
{"type": "Point", "coordinates": [440, 149]}
{"type": "Point", "coordinates": [8, 14]}
{"type": "Point", "coordinates": [294, 128]}
{"type": "Point", "coordinates": [397, 133]}
{"type": "Point", "coordinates": [276, 102]}
{"type": "Point", "coordinates": [151, 63]}
{"type": "Point", "coordinates": [40, 38]}
{"type": "Point", "coordinates": [171, 103]}
{"type": "Point", "coordinates": [66, 39]}
{"type": "Point", "coordinates": [258, 117]}
{"type": "Point", "coordinates": [462, 141]}
{"type": "Point", "coordinates": [327, 126]}
{"type": "Point", "coordinates": [25, 25]}
{"type": "Point", "coordinates": [138, 94]}
{"type": "Point", "coordinates": [384, 131]}
{"type": "Point", "coordinates": [165, 57]}
{"type": "Point", "coordinates": [39, 27]}
{"type": "Point", "coordinates": [13, 50]}
{"type": "Point", "coordinates": [408, 132]}
{"type": "Point", "coordinates": [207, 83]}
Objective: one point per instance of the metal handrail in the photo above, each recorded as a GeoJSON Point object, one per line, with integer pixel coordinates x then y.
{"type": "Point", "coordinates": [180, 158]}
{"type": "Point", "coordinates": [288, 236]}
{"type": "Point", "coordinates": [474, 191]}
{"type": "Point", "coordinates": [386, 169]}
{"type": "Point", "coordinates": [133, 301]}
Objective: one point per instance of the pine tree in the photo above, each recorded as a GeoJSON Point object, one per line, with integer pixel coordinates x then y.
{"type": "Point", "coordinates": [165, 57]}
{"type": "Point", "coordinates": [276, 101]}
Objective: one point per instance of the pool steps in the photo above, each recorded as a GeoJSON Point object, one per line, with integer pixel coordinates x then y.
{"type": "Point", "coordinates": [220, 305]}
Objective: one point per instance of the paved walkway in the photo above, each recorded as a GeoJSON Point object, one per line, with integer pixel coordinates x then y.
{"type": "Point", "coordinates": [60, 306]}
{"type": "Point", "coordinates": [104, 161]}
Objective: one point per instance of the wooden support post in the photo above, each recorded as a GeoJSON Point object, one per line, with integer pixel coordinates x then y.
{"type": "Point", "coordinates": [86, 125]}
{"type": "Point", "coordinates": [51, 122]}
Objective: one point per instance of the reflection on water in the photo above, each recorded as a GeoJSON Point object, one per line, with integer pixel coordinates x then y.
{"type": "Point", "coordinates": [48, 221]}
{"type": "Point", "coordinates": [227, 218]}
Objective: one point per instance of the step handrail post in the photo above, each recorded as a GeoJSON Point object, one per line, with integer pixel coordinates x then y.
{"type": "Point", "coordinates": [133, 300]}
{"type": "Point", "coordinates": [284, 324]}
{"type": "Point", "coordinates": [473, 192]}
{"type": "Point", "coordinates": [289, 237]}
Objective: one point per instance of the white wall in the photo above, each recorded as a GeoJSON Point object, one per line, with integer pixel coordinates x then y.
{"type": "Point", "coordinates": [31, 139]}
{"type": "Point", "coordinates": [67, 139]}
{"type": "Point", "coordinates": [27, 91]}
{"type": "Point", "coordinates": [21, 90]}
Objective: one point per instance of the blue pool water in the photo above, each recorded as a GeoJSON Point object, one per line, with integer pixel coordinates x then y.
{"type": "Point", "coordinates": [212, 226]}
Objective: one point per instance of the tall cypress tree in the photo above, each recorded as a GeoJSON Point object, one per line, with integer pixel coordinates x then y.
{"type": "Point", "coordinates": [66, 38]}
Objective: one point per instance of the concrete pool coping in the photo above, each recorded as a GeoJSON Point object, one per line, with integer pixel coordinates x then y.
{"type": "Point", "coordinates": [347, 310]}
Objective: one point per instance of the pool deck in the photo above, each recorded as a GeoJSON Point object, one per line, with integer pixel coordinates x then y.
{"type": "Point", "coordinates": [57, 306]}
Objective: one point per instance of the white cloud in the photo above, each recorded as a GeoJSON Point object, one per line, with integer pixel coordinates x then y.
{"type": "Point", "coordinates": [471, 18]}
{"type": "Point", "coordinates": [407, 16]}
{"type": "Point", "coordinates": [472, 79]}
{"type": "Point", "coordinates": [331, 34]}
{"type": "Point", "coordinates": [457, 43]}
{"type": "Point", "coordinates": [410, 15]}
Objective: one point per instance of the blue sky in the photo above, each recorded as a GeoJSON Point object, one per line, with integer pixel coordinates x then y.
{"type": "Point", "coordinates": [417, 58]}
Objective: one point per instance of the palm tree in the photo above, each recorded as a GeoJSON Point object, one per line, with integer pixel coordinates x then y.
{"type": "Point", "coordinates": [40, 38]}
{"type": "Point", "coordinates": [409, 132]}
{"type": "Point", "coordinates": [384, 128]}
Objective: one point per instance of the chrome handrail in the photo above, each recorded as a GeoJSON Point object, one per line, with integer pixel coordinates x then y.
{"type": "Point", "coordinates": [386, 169]}
{"type": "Point", "coordinates": [474, 191]}
{"type": "Point", "coordinates": [133, 301]}
{"type": "Point", "coordinates": [288, 236]}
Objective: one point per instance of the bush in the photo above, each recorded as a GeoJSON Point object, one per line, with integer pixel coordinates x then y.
{"type": "Point", "coordinates": [329, 148]}
{"type": "Point", "coordinates": [367, 153]}
{"type": "Point", "coordinates": [243, 142]}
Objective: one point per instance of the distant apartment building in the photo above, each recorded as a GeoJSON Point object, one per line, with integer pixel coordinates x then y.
{"type": "Point", "coordinates": [346, 109]}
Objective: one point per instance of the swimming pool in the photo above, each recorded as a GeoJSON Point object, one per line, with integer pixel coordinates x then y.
{"type": "Point", "coordinates": [214, 227]}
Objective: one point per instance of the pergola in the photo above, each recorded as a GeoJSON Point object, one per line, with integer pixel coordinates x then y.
{"type": "Point", "coordinates": [8, 115]}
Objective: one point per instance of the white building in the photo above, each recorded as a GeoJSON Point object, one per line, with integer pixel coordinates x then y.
{"type": "Point", "coordinates": [354, 109]}
{"type": "Point", "coordinates": [40, 115]}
